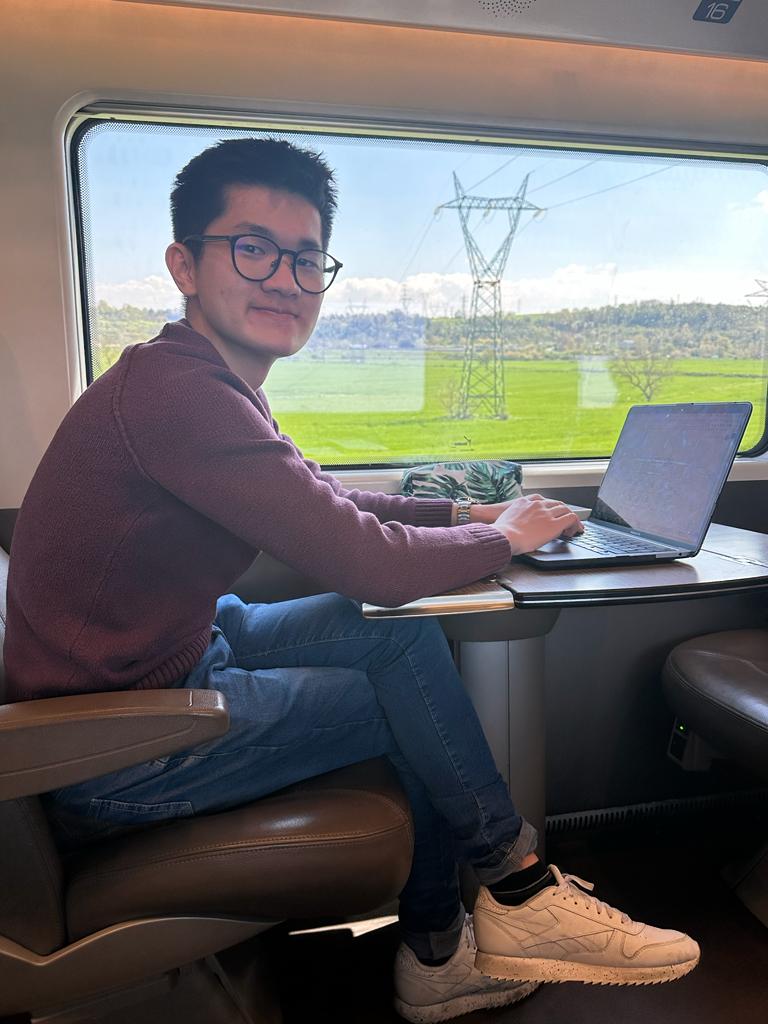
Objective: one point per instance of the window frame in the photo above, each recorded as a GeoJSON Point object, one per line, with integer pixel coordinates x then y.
{"type": "Point", "coordinates": [384, 129]}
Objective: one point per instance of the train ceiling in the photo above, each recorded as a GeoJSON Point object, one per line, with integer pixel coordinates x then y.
{"type": "Point", "coordinates": [727, 28]}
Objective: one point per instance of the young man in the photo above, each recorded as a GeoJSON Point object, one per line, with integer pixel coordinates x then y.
{"type": "Point", "coordinates": [164, 481]}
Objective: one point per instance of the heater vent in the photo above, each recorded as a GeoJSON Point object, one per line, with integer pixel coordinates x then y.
{"type": "Point", "coordinates": [746, 802]}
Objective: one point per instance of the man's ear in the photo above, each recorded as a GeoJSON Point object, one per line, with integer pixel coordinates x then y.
{"type": "Point", "coordinates": [182, 267]}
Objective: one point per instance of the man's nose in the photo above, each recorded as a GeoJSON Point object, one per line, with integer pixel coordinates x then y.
{"type": "Point", "coordinates": [283, 279]}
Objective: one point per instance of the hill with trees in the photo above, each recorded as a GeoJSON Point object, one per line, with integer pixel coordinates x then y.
{"type": "Point", "coordinates": [671, 330]}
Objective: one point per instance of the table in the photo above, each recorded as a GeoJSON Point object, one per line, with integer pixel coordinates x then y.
{"type": "Point", "coordinates": [502, 623]}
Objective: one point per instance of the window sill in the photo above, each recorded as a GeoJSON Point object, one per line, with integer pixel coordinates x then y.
{"type": "Point", "coordinates": [541, 475]}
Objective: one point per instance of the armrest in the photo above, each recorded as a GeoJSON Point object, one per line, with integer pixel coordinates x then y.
{"type": "Point", "coordinates": [47, 744]}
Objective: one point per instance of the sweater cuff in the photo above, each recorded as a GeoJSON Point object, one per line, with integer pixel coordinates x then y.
{"type": "Point", "coordinates": [495, 546]}
{"type": "Point", "coordinates": [432, 512]}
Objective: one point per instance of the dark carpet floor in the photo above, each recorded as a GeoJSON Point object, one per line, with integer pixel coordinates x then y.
{"type": "Point", "coordinates": [666, 874]}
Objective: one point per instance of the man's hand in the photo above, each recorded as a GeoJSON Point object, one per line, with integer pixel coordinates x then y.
{"type": "Point", "coordinates": [489, 513]}
{"type": "Point", "coordinates": [529, 522]}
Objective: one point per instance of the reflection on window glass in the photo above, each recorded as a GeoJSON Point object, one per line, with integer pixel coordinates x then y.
{"type": "Point", "coordinates": [496, 301]}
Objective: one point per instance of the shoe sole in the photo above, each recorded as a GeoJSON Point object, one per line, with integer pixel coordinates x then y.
{"type": "Point", "coordinates": [517, 968]}
{"type": "Point", "coordinates": [461, 1005]}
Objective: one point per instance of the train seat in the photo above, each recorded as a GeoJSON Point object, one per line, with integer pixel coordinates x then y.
{"type": "Point", "coordinates": [718, 685]}
{"type": "Point", "coordinates": [140, 906]}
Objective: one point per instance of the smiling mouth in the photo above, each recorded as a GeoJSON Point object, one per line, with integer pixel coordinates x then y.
{"type": "Point", "coordinates": [274, 312]}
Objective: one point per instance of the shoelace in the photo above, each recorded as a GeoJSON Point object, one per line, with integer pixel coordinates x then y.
{"type": "Point", "coordinates": [566, 881]}
{"type": "Point", "coordinates": [470, 932]}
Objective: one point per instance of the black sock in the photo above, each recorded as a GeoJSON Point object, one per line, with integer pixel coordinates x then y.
{"type": "Point", "coordinates": [521, 885]}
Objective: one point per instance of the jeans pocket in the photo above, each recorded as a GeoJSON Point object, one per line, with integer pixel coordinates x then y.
{"type": "Point", "coordinates": [125, 812]}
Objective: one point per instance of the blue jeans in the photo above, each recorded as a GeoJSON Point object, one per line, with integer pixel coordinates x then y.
{"type": "Point", "coordinates": [313, 686]}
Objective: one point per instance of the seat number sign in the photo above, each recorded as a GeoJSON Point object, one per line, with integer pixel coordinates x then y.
{"type": "Point", "coordinates": [719, 11]}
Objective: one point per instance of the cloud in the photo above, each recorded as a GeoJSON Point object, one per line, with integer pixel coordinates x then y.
{"type": "Point", "coordinates": [572, 286]}
{"type": "Point", "coordinates": [426, 294]}
{"type": "Point", "coordinates": [761, 200]}
{"type": "Point", "coordinates": [152, 292]}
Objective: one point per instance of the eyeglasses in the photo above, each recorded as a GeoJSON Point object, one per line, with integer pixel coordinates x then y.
{"type": "Point", "coordinates": [257, 258]}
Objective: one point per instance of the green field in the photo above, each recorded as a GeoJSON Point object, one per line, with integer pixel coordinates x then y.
{"type": "Point", "coordinates": [378, 389]}
{"type": "Point", "coordinates": [394, 406]}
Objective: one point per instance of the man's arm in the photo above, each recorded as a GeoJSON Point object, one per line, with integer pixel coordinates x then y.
{"type": "Point", "coordinates": [388, 508]}
{"type": "Point", "coordinates": [197, 431]}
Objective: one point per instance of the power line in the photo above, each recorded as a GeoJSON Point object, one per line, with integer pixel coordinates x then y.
{"type": "Point", "coordinates": [577, 199]}
{"type": "Point", "coordinates": [433, 218]}
{"type": "Point", "coordinates": [497, 171]}
{"type": "Point", "coordinates": [458, 252]}
{"type": "Point", "coordinates": [537, 189]}
{"type": "Point", "coordinates": [417, 250]}
{"type": "Point", "coordinates": [568, 175]}
{"type": "Point", "coordinates": [610, 188]}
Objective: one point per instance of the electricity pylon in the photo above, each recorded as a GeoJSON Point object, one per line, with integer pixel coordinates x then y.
{"type": "Point", "coordinates": [762, 293]}
{"type": "Point", "coordinates": [482, 388]}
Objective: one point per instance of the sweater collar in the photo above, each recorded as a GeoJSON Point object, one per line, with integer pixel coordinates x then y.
{"type": "Point", "coordinates": [181, 332]}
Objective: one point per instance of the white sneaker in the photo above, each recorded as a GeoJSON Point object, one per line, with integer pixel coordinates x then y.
{"type": "Point", "coordinates": [425, 994]}
{"type": "Point", "coordinates": [563, 934]}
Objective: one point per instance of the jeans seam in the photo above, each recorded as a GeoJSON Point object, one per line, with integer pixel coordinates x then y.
{"type": "Point", "coordinates": [239, 631]}
{"type": "Point", "coordinates": [322, 640]}
{"type": "Point", "coordinates": [270, 746]}
{"type": "Point", "coordinates": [403, 653]}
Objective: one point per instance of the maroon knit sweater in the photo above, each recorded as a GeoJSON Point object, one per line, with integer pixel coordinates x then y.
{"type": "Point", "coordinates": [163, 482]}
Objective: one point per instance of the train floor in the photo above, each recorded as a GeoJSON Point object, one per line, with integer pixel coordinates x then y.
{"type": "Point", "coordinates": [666, 874]}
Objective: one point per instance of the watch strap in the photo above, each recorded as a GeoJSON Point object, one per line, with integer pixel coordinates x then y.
{"type": "Point", "coordinates": [463, 507]}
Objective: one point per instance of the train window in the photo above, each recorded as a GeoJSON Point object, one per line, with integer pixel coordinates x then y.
{"type": "Point", "coordinates": [498, 299]}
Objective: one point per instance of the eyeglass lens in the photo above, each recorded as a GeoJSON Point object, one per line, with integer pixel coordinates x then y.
{"type": "Point", "coordinates": [256, 258]}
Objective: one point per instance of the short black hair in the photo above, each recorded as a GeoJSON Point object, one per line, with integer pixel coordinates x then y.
{"type": "Point", "coordinates": [199, 191]}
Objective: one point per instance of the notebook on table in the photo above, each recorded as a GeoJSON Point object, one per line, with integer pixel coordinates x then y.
{"type": "Point", "coordinates": [659, 492]}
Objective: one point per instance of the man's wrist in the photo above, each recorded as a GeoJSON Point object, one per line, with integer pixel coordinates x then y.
{"type": "Point", "coordinates": [478, 513]}
{"type": "Point", "coordinates": [482, 514]}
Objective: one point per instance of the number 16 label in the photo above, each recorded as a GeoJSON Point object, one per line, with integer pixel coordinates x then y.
{"type": "Point", "coordinates": [720, 11]}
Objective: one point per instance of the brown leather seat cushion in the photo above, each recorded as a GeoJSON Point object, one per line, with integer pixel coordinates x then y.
{"type": "Point", "coordinates": [337, 844]}
{"type": "Point", "coordinates": [719, 685]}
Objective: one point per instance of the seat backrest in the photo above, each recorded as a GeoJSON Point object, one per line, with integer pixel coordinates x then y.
{"type": "Point", "coordinates": [31, 900]}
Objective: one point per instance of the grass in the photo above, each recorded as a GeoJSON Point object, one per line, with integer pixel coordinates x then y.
{"type": "Point", "coordinates": [393, 406]}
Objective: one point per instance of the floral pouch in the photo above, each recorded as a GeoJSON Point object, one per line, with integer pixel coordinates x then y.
{"type": "Point", "coordinates": [485, 482]}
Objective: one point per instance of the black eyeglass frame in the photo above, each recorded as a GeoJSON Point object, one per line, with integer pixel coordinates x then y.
{"type": "Point", "coordinates": [293, 253]}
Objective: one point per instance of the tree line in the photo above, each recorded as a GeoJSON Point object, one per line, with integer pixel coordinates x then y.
{"type": "Point", "coordinates": [669, 330]}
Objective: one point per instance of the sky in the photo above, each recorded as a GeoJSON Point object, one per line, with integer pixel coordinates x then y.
{"type": "Point", "coordinates": [609, 228]}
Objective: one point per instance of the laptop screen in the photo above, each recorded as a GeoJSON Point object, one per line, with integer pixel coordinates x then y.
{"type": "Point", "coordinates": [669, 466]}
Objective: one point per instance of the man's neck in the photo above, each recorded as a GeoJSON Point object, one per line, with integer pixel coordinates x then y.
{"type": "Point", "coordinates": [252, 366]}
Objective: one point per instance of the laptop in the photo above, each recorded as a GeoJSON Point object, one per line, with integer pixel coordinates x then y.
{"type": "Point", "coordinates": [659, 492]}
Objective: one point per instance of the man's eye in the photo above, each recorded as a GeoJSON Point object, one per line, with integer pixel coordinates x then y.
{"type": "Point", "coordinates": [309, 262]}
{"type": "Point", "coordinates": [250, 249]}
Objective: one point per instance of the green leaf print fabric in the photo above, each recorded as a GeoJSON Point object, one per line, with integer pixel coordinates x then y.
{"type": "Point", "coordinates": [484, 482]}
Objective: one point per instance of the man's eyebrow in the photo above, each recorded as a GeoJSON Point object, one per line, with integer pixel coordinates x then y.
{"type": "Point", "coordinates": [260, 229]}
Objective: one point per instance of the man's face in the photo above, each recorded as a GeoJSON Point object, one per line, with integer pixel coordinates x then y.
{"type": "Point", "coordinates": [255, 322]}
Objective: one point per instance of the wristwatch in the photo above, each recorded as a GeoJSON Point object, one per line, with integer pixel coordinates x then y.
{"type": "Point", "coordinates": [463, 505]}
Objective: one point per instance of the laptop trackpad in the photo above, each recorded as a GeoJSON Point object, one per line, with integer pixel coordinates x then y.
{"type": "Point", "coordinates": [561, 549]}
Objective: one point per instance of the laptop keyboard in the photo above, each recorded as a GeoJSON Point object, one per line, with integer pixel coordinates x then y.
{"type": "Point", "coordinates": [605, 542]}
